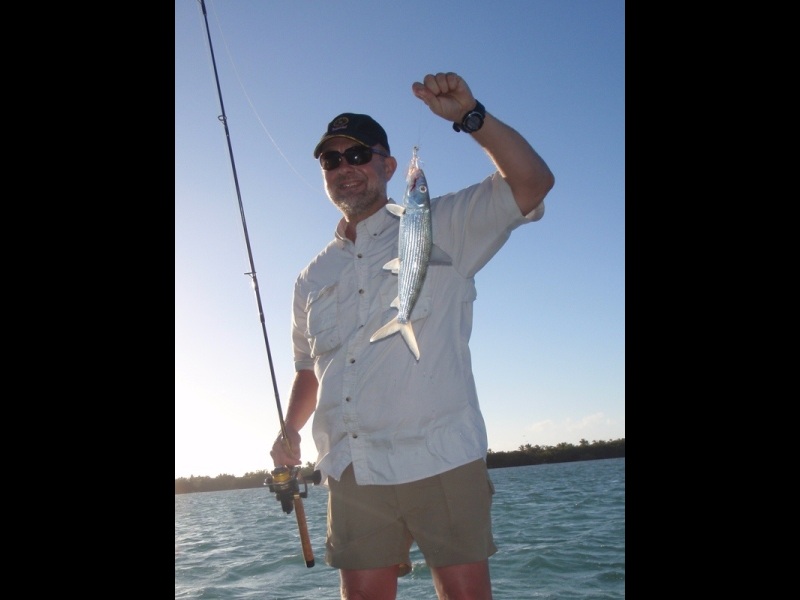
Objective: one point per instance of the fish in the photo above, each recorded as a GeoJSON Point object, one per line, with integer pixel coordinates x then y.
{"type": "Point", "coordinates": [414, 247]}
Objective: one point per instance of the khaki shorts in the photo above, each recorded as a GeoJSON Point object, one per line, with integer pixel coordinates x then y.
{"type": "Point", "coordinates": [447, 515]}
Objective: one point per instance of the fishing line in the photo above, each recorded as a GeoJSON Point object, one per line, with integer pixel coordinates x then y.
{"type": "Point", "coordinates": [255, 111]}
{"type": "Point", "coordinates": [283, 481]}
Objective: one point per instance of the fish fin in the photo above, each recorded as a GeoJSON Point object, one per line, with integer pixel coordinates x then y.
{"type": "Point", "coordinates": [439, 257]}
{"type": "Point", "coordinates": [396, 209]}
{"type": "Point", "coordinates": [405, 329]}
{"type": "Point", "coordinates": [393, 265]}
{"type": "Point", "coordinates": [395, 303]}
{"type": "Point", "coordinates": [391, 327]}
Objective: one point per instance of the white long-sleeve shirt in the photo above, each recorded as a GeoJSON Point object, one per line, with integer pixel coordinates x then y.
{"type": "Point", "coordinates": [395, 418]}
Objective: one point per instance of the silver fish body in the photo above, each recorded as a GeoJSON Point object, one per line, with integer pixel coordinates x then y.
{"type": "Point", "coordinates": [414, 246]}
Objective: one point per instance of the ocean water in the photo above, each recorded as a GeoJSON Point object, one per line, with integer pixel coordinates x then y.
{"type": "Point", "coordinates": [560, 532]}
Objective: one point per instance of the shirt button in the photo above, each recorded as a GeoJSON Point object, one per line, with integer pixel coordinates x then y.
{"type": "Point", "coordinates": [359, 255]}
{"type": "Point", "coordinates": [355, 435]}
{"type": "Point", "coordinates": [360, 291]}
{"type": "Point", "coordinates": [347, 399]}
{"type": "Point", "coordinates": [352, 360]}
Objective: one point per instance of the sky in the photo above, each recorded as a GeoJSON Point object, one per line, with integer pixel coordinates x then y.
{"type": "Point", "coordinates": [548, 341]}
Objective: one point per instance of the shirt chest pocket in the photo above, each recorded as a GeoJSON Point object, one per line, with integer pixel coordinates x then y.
{"type": "Point", "coordinates": [388, 293]}
{"type": "Point", "coordinates": [322, 308]}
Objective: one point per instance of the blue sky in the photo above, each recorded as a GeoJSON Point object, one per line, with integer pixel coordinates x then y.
{"type": "Point", "coordinates": [548, 343]}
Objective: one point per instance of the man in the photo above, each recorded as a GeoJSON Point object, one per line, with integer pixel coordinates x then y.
{"type": "Point", "coordinates": [401, 442]}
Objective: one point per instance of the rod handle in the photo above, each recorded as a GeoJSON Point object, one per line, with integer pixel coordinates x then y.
{"type": "Point", "coordinates": [308, 552]}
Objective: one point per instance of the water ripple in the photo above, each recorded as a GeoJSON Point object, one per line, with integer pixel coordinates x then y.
{"type": "Point", "coordinates": [560, 530]}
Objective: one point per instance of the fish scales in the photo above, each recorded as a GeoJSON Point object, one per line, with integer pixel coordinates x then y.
{"type": "Point", "coordinates": [415, 242]}
{"type": "Point", "coordinates": [414, 252]}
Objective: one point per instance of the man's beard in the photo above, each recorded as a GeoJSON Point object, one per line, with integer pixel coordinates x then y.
{"type": "Point", "coordinates": [354, 206]}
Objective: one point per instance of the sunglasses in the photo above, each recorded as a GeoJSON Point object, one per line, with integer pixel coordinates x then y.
{"type": "Point", "coordinates": [357, 155]}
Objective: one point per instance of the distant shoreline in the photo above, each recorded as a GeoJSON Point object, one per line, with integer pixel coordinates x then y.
{"type": "Point", "coordinates": [525, 455]}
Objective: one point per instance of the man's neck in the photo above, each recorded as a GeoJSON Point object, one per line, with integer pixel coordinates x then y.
{"type": "Point", "coordinates": [351, 223]}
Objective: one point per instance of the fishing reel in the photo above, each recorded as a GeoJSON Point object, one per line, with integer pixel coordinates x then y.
{"type": "Point", "coordinates": [285, 484]}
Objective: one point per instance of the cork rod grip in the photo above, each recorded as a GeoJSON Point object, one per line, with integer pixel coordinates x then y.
{"type": "Point", "coordinates": [308, 552]}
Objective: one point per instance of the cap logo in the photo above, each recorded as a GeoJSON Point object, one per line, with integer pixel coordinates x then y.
{"type": "Point", "coordinates": [339, 123]}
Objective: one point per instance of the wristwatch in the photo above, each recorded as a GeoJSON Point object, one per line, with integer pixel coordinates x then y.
{"type": "Point", "coordinates": [473, 120]}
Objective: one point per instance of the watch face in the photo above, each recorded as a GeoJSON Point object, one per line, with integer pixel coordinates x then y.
{"type": "Point", "coordinates": [473, 121]}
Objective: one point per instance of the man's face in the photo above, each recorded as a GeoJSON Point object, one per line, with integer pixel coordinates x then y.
{"type": "Point", "coordinates": [357, 190]}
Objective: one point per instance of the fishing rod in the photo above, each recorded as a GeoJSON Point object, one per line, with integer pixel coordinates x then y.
{"type": "Point", "coordinates": [284, 482]}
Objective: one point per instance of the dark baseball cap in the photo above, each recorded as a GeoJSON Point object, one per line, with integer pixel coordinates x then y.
{"type": "Point", "coordinates": [359, 128]}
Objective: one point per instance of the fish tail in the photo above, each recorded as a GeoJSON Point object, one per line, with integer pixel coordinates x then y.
{"type": "Point", "coordinates": [405, 329]}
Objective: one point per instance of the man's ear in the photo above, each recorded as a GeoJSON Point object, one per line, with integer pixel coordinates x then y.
{"type": "Point", "coordinates": [390, 166]}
